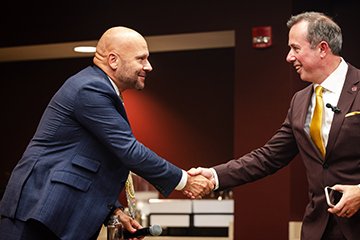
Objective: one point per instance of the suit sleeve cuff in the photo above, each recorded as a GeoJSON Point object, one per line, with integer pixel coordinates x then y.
{"type": "Point", "coordinates": [215, 176]}
{"type": "Point", "coordinates": [182, 182]}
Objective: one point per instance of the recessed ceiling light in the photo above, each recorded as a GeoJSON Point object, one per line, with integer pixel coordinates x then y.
{"type": "Point", "coordinates": [85, 49]}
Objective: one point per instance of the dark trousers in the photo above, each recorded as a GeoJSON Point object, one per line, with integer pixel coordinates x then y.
{"type": "Point", "coordinates": [12, 229]}
{"type": "Point", "coordinates": [333, 231]}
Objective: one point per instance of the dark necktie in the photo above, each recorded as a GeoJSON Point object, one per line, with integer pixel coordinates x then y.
{"type": "Point", "coordinates": [129, 187]}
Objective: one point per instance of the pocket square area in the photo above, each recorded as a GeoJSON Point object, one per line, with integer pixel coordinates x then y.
{"type": "Point", "coordinates": [352, 113]}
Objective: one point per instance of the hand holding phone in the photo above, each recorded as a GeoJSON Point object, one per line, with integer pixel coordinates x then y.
{"type": "Point", "coordinates": [332, 196]}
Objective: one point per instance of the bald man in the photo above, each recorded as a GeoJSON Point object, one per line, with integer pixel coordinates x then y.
{"type": "Point", "coordinates": [67, 182]}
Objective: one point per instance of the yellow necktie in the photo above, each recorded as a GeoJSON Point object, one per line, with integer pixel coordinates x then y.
{"type": "Point", "coordinates": [316, 121]}
{"type": "Point", "coordinates": [130, 196]}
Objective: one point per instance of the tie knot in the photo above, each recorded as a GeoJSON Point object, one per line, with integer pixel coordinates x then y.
{"type": "Point", "coordinates": [319, 91]}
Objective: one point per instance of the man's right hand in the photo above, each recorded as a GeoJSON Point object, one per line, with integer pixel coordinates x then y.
{"type": "Point", "coordinates": [197, 186]}
{"type": "Point", "coordinates": [200, 183]}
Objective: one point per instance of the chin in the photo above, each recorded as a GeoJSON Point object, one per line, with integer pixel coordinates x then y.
{"type": "Point", "coordinates": [140, 87]}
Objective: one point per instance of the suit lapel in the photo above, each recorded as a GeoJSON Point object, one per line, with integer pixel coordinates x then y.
{"type": "Point", "coordinates": [119, 104]}
{"type": "Point", "coordinates": [301, 107]}
{"type": "Point", "coordinates": [305, 109]}
{"type": "Point", "coordinates": [347, 97]}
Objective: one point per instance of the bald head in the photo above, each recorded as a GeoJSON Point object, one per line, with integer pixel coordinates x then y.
{"type": "Point", "coordinates": [114, 40]}
{"type": "Point", "coordinates": [122, 54]}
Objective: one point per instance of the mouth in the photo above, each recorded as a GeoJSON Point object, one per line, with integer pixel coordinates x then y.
{"type": "Point", "coordinates": [297, 68]}
{"type": "Point", "coordinates": [142, 74]}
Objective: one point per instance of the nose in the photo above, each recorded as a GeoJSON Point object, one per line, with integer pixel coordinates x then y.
{"type": "Point", "coordinates": [147, 66]}
{"type": "Point", "coordinates": [290, 57]}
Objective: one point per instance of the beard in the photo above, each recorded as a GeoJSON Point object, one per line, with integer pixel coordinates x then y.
{"type": "Point", "coordinates": [131, 79]}
{"type": "Point", "coordinates": [140, 83]}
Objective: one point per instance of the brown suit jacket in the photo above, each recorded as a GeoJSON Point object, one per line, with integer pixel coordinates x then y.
{"type": "Point", "coordinates": [340, 166]}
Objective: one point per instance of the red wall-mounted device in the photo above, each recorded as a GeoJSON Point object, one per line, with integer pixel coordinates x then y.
{"type": "Point", "coordinates": [261, 37]}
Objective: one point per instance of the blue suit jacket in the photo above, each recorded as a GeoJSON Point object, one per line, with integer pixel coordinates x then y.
{"type": "Point", "coordinates": [75, 166]}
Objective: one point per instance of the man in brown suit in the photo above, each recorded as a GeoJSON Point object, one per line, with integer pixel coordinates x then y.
{"type": "Point", "coordinates": [315, 42]}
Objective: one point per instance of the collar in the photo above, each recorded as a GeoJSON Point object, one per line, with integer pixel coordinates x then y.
{"type": "Point", "coordinates": [335, 81]}
{"type": "Point", "coordinates": [116, 88]}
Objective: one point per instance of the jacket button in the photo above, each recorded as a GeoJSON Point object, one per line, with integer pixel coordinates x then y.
{"type": "Point", "coordinates": [110, 206]}
{"type": "Point", "coordinates": [325, 165]}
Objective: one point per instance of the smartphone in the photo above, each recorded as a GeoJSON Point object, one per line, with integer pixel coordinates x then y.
{"type": "Point", "coordinates": [332, 196]}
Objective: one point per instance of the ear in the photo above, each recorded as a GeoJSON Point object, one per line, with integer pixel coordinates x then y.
{"type": "Point", "coordinates": [323, 48]}
{"type": "Point", "coordinates": [113, 60]}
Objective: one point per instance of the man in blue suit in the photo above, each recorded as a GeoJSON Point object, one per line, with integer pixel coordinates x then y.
{"type": "Point", "coordinates": [68, 180]}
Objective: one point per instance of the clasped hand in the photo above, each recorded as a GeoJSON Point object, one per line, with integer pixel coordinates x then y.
{"type": "Point", "coordinates": [200, 183]}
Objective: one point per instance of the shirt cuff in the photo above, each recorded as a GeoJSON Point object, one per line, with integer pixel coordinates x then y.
{"type": "Point", "coordinates": [215, 176]}
{"type": "Point", "coordinates": [182, 182]}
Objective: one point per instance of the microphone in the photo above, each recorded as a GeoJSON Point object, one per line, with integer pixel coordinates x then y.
{"type": "Point", "coordinates": [335, 109]}
{"type": "Point", "coordinates": [154, 230]}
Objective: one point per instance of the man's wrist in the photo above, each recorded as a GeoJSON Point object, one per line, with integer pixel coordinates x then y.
{"type": "Point", "coordinates": [182, 182]}
{"type": "Point", "coordinates": [215, 176]}
{"type": "Point", "coordinates": [118, 210]}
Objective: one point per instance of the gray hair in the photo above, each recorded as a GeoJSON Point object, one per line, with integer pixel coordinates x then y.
{"type": "Point", "coordinates": [320, 28]}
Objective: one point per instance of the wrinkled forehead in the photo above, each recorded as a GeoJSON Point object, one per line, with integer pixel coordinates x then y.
{"type": "Point", "coordinates": [298, 32]}
{"type": "Point", "coordinates": [300, 27]}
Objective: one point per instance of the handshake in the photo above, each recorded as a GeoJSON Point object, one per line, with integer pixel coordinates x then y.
{"type": "Point", "coordinates": [200, 182]}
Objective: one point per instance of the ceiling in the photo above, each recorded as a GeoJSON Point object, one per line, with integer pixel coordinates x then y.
{"type": "Point", "coordinates": [32, 23]}
{"type": "Point", "coordinates": [31, 30]}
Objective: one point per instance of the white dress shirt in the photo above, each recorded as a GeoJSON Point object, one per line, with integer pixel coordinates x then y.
{"type": "Point", "coordinates": [332, 87]}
